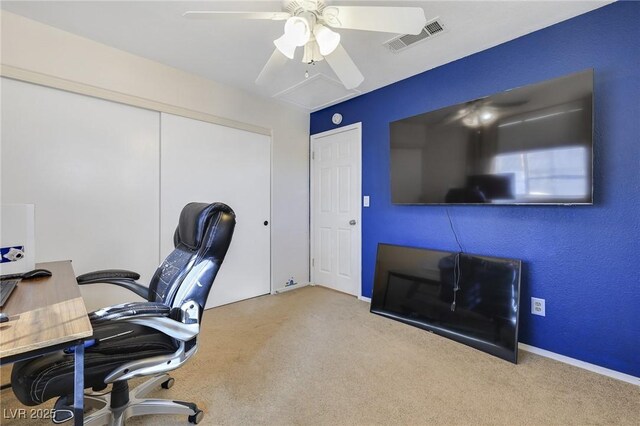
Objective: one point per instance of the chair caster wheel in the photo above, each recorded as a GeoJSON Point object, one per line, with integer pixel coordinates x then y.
{"type": "Point", "coordinates": [168, 384]}
{"type": "Point", "coordinates": [197, 417]}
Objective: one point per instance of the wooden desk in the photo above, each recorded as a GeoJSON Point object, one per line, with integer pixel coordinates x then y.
{"type": "Point", "coordinates": [51, 315]}
{"type": "Point", "coordinates": [51, 311]}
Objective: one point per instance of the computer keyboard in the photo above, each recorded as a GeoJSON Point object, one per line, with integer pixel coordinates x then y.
{"type": "Point", "coordinates": [6, 288]}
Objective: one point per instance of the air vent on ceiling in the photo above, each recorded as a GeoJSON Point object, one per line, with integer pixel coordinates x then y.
{"type": "Point", "coordinates": [399, 43]}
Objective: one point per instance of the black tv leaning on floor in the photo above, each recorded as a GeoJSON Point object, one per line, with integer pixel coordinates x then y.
{"type": "Point", "coordinates": [530, 145]}
{"type": "Point", "coordinates": [418, 287]}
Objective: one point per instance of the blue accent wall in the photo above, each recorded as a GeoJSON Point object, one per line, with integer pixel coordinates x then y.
{"type": "Point", "coordinates": [584, 260]}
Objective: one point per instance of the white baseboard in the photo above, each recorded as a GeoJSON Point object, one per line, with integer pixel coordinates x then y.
{"type": "Point", "coordinates": [289, 288]}
{"type": "Point", "coordinates": [567, 360]}
{"type": "Point", "coordinates": [581, 364]}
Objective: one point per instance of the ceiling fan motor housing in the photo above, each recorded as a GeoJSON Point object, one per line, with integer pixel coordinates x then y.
{"type": "Point", "coordinates": [296, 7]}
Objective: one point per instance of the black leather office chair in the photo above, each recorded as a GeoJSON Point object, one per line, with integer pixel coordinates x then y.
{"type": "Point", "coordinates": [141, 338]}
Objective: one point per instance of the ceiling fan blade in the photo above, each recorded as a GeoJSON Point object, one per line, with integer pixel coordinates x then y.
{"type": "Point", "coordinates": [452, 118]}
{"type": "Point", "coordinates": [216, 14]}
{"type": "Point", "coordinates": [347, 71]}
{"type": "Point", "coordinates": [401, 20]}
{"type": "Point", "coordinates": [465, 109]}
{"type": "Point", "coordinates": [271, 68]}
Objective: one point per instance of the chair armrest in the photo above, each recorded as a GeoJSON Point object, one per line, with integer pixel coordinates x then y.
{"type": "Point", "coordinates": [119, 277]}
{"type": "Point", "coordinates": [168, 326]}
{"type": "Point", "coordinates": [149, 314]}
{"type": "Point", "coordinates": [109, 274]}
{"type": "Point", "coordinates": [183, 330]}
{"type": "Point", "coordinates": [130, 310]}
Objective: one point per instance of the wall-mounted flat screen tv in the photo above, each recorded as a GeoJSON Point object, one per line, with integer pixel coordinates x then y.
{"type": "Point", "coordinates": [468, 298]}
{"type": "Point", "coordinates": [530, 145]}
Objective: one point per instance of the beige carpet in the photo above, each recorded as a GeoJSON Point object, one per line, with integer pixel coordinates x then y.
{"type": "Point", "coordinates": [316, 357]}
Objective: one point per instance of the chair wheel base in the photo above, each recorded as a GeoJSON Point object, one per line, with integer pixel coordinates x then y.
{"type": "Point", "coordinates": [168, 384]}
{"type": "Point", "coordinates": [197, 417]}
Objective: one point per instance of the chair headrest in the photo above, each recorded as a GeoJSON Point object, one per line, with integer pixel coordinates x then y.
{"type": "Point", "coordinates": [194, 219]}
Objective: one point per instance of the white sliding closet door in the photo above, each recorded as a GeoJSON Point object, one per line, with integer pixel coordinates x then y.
{"type": "Point", "coordinates": [91, 167]}
{"type": "Point", "coordinates": [206, 162]}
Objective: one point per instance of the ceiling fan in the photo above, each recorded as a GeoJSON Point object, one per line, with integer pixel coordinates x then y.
{"type": "Point", "coordinates": [480, 112]}
{"type": "Point", "coordinates": [307, 25]}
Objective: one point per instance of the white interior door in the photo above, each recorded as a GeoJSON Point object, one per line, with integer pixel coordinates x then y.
{"type": "Point", "coordinates": [336, 228]}
{"type": "Point", "coordinates": [206, 162]}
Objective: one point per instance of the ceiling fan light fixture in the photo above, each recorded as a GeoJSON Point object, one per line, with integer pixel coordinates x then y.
{"type": "Point", "coordinates": [486, 116]}
{"type": "Point", "coordinates": [297, 30]}
{"type": "Point", "coordinates": [285, 46]}
{"type": "Point", "coordinates": [471, 121]}
{"type": "Point", "coordinates": [327, 40]}
{"type": "Point", "coordinates": [296, 33]}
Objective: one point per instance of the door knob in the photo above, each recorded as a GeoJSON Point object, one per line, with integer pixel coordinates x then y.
{"type": "Point", "coordinates": [352, 222]}
{"type": "Point", "coordinates": [266, 222]}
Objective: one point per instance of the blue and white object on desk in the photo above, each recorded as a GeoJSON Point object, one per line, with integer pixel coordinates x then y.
{"type": "Point", "coordinates": [17, 245]}
{"type": "Point", "coordinates": [11, 254]}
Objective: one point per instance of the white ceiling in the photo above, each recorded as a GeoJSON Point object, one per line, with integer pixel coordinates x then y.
{"type": "Point", "coordinates": [234, 51]}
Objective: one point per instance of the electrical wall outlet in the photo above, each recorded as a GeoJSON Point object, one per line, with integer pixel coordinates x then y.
{"type": "Point", "coordinates": [537, 306]}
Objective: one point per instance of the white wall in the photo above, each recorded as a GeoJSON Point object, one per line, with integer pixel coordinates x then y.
{"type": "Point", "coordinates": [32, 46]}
